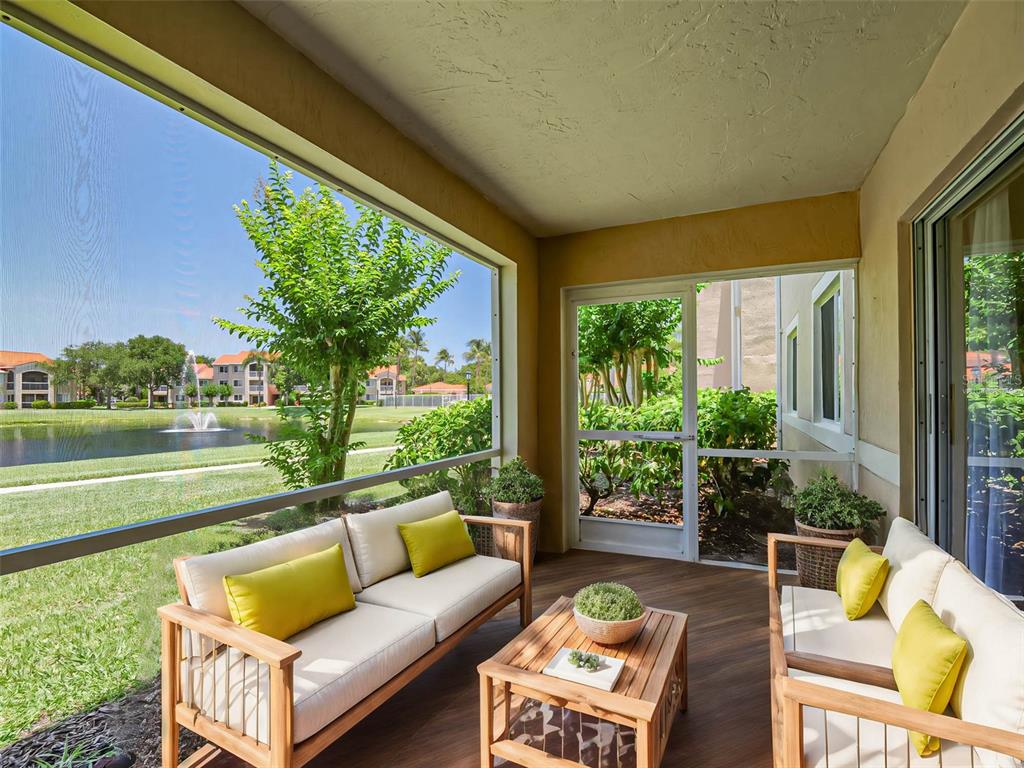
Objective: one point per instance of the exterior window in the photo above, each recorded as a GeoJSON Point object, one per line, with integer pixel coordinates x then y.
{"type": "Point", "coordinates": [236, 383]}
{"type": "Point", "coordinates": [792, 370]}
{"type": "Point", "coordinates": [829, 360]}
{"type": "Point", "coordinates": [237, 398]}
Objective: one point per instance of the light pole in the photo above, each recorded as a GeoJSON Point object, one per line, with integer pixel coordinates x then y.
{"type": "Point", "coordinates": [469, 377]}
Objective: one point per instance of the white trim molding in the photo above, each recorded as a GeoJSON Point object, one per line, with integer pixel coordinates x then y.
{"type": "Point", "coordinates": [878, 461]}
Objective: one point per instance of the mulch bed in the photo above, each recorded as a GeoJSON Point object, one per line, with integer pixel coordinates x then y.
{"type": "Point", "coordinates": [129, 727]}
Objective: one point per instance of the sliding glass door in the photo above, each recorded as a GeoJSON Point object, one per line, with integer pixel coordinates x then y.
{"type": "Point", "coordinates": [973, 317]}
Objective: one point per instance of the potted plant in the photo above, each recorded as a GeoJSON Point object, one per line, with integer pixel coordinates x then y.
{"type": "Point", "coordinates": [608, 613]}
{"type": "Point", "coordinates": [826, 508]}
{"type": "Point", "coordinates": [516, 494]}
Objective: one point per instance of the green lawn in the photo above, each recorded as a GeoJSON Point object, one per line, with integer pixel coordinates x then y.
{"type": "Point", "coordinates": [76, 634]}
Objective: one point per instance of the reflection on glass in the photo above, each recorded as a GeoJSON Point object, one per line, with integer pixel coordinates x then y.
{"type": "Point", "coordinates": [629, 364]}
{"type": "Point", "coordinates": [991, 235]}
{"type": "Point", "coordinates": [631, 480]}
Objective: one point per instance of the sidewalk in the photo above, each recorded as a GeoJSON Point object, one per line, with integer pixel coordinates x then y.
{"type": "Point", "coordinates": [149, 475]}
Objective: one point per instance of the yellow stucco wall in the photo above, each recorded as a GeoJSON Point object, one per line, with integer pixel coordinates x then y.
{"type": "Point", "coordinates": [973, 88]}
{"type": "Point", "coordinates": [221, 58]}
{"type": "Point", "coordinates": [776, 234]}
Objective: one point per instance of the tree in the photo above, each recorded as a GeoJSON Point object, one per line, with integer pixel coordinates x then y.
{"type": "Point", "coordinates": [478, 354]}
{"type": "Point", "coordinates": [225, 392]}
{"type": "Point", "coordinates": [154, 361]}
{"type": "Point", "coordinates": [994, 303]}
{"type": "Point", "coordinates": [286, 380]}
{"type": "Point", "coordinates": [204, 359]}
{"type": "Point", "coordinates": [191, 391]}
{"type": "Point", "coordinates": [337, 296]}
{"type": "Point", "coordinates": [444, 358]}
{"type": "Point", "coordinates": [210, 391]}
{"type": "Point", "coordinates": [416, 343]}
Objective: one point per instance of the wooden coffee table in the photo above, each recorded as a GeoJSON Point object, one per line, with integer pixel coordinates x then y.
{"type": "Point", "coordinates": [650, 690]}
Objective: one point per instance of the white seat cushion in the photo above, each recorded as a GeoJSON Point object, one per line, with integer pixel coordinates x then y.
{"type": "Point", "coordinates": [376, 543]}
{"type": "Point", "coordinates": [450, 596]}
{"type": "Point", "coordinates": [835, 740]}
{"type": "Point", "coordinates": [203, 575]}
{"type": "Point", "coordinates": [344, 659]}
{"type": "Point", "coordinates": [990, 689]}
{"type": "Point", "coordinates": [813, 621]}
{"type": "Point", "coordinates": [915, 564]}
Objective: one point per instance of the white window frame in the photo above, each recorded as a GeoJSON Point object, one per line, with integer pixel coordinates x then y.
{"type": "Point", "coordinates": [829, 286]}
{"type": "Point", "coordinates": [792, 372]}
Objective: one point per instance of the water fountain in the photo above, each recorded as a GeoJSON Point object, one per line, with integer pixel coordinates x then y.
{"type": "Point", "coordinates": [196, 420]}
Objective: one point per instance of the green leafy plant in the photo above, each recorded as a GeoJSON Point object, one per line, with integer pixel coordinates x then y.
{"type": "Point", "coordinates": [515, 484]}
{"type": "Point", "coordinates": [454, 430]}
{"type": "Point", "coordinates": [39, 405]}
{"type": "Point", "coordinates": [9, 405]}
{"type": "Point", "coordinates": [825, 502]}
{"type": "Point", "coordinates": [582, 660]}
{"type": "Point", "coordinates": [608, 601]}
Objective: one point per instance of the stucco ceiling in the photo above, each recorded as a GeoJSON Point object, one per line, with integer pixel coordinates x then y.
{"type": "Point", "coordinates": [573, 116]}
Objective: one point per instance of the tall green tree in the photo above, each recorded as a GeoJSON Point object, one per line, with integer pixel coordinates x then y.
{"type": "Point", "coordinates": [444, 358]}
{"type": "Point", "coordinates": [417, 343]}
{"type": "Point", "coordinates": [210, 391]}
{"type": "Point", "coordinates": [338, 294]}
{"type": "Point", "coordinates": [154, 361]}
{"type": "Point", "coordinates": [478, 354]}
{"type": "Point", "coordinates": [994, 302]}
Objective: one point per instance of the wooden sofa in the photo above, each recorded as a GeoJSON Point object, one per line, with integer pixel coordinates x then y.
{"type": "Point", "coordinates": [278, 704]}
{"type": "Point", "coordinates": [833, 697]}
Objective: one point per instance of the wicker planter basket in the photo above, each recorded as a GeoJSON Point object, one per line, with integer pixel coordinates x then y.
{"type": "Point", "coordinates": [817, 565]}
{"type": "Point", "coordinates": [609, 632]}
{"type": "Point", "coordinates": [505, 541]}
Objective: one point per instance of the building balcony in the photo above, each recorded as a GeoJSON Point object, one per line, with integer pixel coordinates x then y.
{"type": "Point", "coordinates": [33, 386]}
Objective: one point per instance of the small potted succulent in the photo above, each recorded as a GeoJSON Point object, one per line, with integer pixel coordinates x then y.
{"type": "Point", "coordinates": [517, 494]}
{"type": "Point", "coordinates": [825, 508]}
{"type": "Point", "coordinates": [608, 613]}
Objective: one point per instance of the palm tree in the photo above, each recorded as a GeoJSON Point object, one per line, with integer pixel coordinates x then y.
{"type": "Point", "coordinates": [444, 358]}
{"type": "Point", "coordinates": [399, 348]}
{"type": "Point", "coordinates": [417, 343]}
{"type": "Point", "coordinates": [478, 353]}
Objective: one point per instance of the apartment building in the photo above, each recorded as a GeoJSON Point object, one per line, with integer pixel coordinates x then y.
{"type": "Point", "coordinates": [248, 374]}
{"type": "Point", "coordinates": [25, 378]}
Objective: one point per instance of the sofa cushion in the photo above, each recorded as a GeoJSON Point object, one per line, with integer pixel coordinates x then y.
{"type": "Point", "coordinates": [990, 689]}
{"type": "Point", "coordinates": [203, 575]}
{"type": "Point", "coordinates": [915, 564]}
{"type": "Point", "coordinates": [813, 621]}
{"type": "Point", "coordinates": [859, 578]}
{"type": "Point", "coordinates": [344, 659]}
{"type": "Point", "coordinates": [835, 740]}
{"type": "Point", "coordinates": [377, 545]}
{"type": "Point", "coordinates": [450, 596]}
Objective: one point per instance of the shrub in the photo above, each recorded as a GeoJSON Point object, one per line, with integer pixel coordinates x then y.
{"type": "Point", "coordinates": [39, 405]}
{"type": "Point", "coordinates": [9, 405]}
{"type": "Point", "coordinates": [454, 430]}
{"type": "Point", "coordinates": [515, 484]}
{"type": "Point", "coordinates": [607, 601]}
{"type": "Point", "coordinates": [130, 404]}
{"type": "Point", "coordinates": [826, 503]}
{"type": "Point", "coordinates": [76, 404]}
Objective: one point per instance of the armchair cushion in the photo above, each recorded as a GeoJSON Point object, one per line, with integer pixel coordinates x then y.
{"type": "Point", "coordinates": [915, 565]}
{"type": "Point", "coordinates": [451, 596]}
{"type": "Point", "coordinates": [813, 621]}
{"type": "Point", "coordinates": [436, 542]}
{"type": "Point", "coordinates": [376, 543]}
{"type": "Point", "coordinates": [990, 689]}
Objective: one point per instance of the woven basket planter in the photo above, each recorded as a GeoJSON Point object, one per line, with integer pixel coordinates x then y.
{"type": "Point", "coordinates": [609, 632]}
{"type": "Point", "coordinates": [505, 541]}
{"type": "Point", "coordinates": [817, 565]}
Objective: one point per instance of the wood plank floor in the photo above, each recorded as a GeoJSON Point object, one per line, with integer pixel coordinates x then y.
{"type": "Point", "coordinates": [434, 723]}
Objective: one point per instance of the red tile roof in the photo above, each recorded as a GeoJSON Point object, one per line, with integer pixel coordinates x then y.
{"type": "Point", "coordinates": [9, 359]}
{"type": "Point", "coordinates": [388, 369]}
{"type": "Point", "coordinates": [239, 357]}
{"type": "Point", "coordinates": [204, 371]}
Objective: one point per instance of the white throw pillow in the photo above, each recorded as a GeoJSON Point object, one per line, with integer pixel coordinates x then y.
{"type": "Point", "coordinates": [915, 565]}
{"type": "Point", "coordinates": [990, 689]}
{"type": "Point", "coordinates": [377, 545]}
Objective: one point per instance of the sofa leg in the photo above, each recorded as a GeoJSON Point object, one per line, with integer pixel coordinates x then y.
{"type": "Point", "coordinates": [525, 610]}
{"type": "Point", "coordinates": [170, 653]}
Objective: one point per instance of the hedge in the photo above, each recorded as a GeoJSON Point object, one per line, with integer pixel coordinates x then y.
{"type": "Point", "coordinates": [40, 405]}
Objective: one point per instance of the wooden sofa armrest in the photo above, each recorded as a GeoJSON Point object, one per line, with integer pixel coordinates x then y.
{"type": "Point", "coordinates": [774, 539]}
{"type": "Point", "coordinates": [267, 649]}
{"type": "Point", "coordinates": [853, 671]}
{"type": "Point", "coordinates": [524, 533]}
{"type": "Point", "coordinates": [802, 692]}
{"type": "Point", "coordinates": [495, 521]}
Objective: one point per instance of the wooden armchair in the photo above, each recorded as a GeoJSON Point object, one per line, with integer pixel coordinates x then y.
{"type": "Point", "coordinates": [791, 697]}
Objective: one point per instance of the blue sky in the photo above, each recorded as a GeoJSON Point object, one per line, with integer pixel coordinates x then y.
{"type": "Point", "coordinates": [116, 216]}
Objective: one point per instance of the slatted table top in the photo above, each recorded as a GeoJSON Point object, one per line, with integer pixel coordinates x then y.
{"type": "Point", "coordinates": [648, 658]}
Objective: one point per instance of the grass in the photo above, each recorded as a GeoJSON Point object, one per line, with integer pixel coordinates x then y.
{"type": "Point", "coordinates": [81, 632]}
{"type": "Point", "coordinates": [84, 469]}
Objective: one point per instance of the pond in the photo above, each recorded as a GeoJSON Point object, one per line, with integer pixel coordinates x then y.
{"type": "Point", "coordinates": [42, 443]}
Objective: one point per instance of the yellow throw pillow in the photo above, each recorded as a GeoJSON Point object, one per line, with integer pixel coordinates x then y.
{"type": "Point", "coordinates": [860, 578]}
{"type": "Point", "coordinates": [435, 542]}
{"type": "Point", "coordinates": [284, 599]}
{"type": "Point", "coordinates": [926, 662]}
